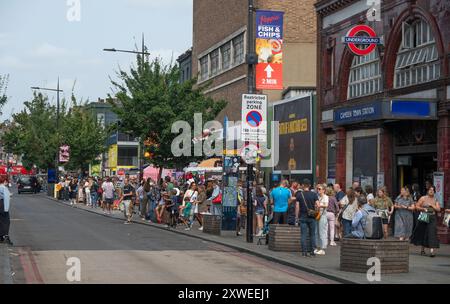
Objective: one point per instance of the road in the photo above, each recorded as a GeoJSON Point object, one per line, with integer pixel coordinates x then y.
{"type": "Point", "coordinates": [46, 234]}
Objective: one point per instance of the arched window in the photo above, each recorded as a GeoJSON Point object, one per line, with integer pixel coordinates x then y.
{"type": "Point", "coordinates": [417, 59]}
{"type": "Point", "coordinates": [365, 75]}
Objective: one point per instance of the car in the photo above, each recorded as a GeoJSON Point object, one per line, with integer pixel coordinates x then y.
{"type": "Point", "coordinates": [26, 184]}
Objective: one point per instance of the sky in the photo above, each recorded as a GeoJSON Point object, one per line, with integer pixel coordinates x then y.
{"type": "Point", "coordinates": [41, 40]}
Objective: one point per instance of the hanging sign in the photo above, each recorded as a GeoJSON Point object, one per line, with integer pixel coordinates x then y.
{"type": "Point", "coordinates": [362, 45]}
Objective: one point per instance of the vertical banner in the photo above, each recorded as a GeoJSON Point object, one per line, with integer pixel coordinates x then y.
{"type": "Point", "coordinates": [438, 181]}
{"type": "Point", "coordinates": [64, 154]}
{"type": "Point", "coordinates": [269, 43]}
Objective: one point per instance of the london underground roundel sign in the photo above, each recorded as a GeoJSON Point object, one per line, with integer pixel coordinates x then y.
{"type": "Point", "coordinates": [362, 45]}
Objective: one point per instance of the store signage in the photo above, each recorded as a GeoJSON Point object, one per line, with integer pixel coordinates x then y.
{"type": "Point", "coordinates": [358, 113]}
{"type": "Point", "coordinates": [254, 118]}
{"type": "Point", "coordinates": [362, 45]}
{"type": "Point", "coordinates": [410, 108]}
{"type": "Point", "coordinates": [438, 181]}
{"type": "Point", "coordinates": [269, 44]}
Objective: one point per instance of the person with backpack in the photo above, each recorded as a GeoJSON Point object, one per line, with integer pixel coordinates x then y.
{"type": "Point", "coordinates": [361, 226]}
{"type": "Point", "coordinates": [308, 207]}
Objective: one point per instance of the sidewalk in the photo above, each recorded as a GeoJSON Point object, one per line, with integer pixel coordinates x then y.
{"type": "Point", "coordinates": [422, 270]}
{"type": "Point", "coordinates": [5, 266]}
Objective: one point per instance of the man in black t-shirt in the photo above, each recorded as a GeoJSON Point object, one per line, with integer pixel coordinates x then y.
{"type": "Point", "coordinates": [307, 200]}
{"type": "Point", "coordinates": [127, 197]}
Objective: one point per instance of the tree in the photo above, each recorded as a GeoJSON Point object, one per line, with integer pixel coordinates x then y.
{"type": "Point", "coordinates": [150, 98]}
{"type": "Point", "coordinates": [85, 136]}
{"type": "Point", "coordinates": [3, 86]}
{"type": "Point", "coordinates": [33, 134]}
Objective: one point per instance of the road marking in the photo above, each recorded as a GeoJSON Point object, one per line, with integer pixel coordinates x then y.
{"type": "Point", "coordinates": [30, 269]}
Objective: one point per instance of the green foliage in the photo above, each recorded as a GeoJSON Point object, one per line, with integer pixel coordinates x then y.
{"type": "Point", "coordinates": [3, 86]}
{"type": "Point", "coordinates": [33, 134]}
{"type": "Point", "coordinates": [150, 98]}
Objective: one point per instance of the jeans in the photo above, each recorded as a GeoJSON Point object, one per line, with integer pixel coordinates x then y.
{"type": "Point", "coordinates": [322, 232]}
{"type": "Point", "coordinates": [347, 226]}
{"type": "Point", "coordinates": [216, 209]}
{"type": "Point", "coordinates": [308, 228]}
{"type": "Point", "coordinates": [88, 197]}
{"type": "Point", "coordinates": [94, 198]}
{"type": "Point", "coordinates": [143, 202]}
{"type": "Point", "coordinates": [331, 218]}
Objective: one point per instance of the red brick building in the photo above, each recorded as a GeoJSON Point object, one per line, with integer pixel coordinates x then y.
{"type": "Point", "coordinates": [385, 116]}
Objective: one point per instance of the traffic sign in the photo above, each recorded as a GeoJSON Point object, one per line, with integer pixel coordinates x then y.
{"type": "Point", "coordinates": [254, 118]}
{"type": "Point", "coordinates": [356, 43]}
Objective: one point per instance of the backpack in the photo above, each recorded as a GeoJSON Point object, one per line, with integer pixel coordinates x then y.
{"type": "Point", "coordinates": [374, 226]}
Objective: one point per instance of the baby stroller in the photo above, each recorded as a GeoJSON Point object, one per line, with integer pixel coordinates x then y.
{"type": "Point", "coordinates": [268, 219]}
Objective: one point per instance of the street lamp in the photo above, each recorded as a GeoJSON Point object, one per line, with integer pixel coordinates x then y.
{"type": "Point", "coordinates": [142, 53]}
{"type": "Point", "coordinates": [57, 90]}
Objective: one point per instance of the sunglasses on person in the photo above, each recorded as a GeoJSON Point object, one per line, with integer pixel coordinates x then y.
{"type": "Point", "coordinates": [319, 189]}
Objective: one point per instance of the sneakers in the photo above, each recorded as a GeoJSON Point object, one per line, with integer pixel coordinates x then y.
{"type": "Point", "coordinates": [187, 228]}
{"type": "Point", "coordinates": [238, 233]}
{"type": "Point", "coordinates": [320, 252]}
{"type": "Point", "coordinates": [6, 240]}
{"type": "Point", "coordinates": [316, 251]}
{"type": "Point", "coordinates": [127, 223]}
{"type": "Point", "coordinates": [260, 234]}
{"type": "Point", "coordinates": [201, 228]}
{"type": "Point", "coordinates": [333, 244]}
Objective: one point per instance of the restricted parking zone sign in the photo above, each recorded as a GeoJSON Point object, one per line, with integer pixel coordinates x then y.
{"type": "Point", "coordinates": [254, 118]}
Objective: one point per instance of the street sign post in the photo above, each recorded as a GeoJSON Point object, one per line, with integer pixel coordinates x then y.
{"type": "Point", "coordinates": [254, 118]}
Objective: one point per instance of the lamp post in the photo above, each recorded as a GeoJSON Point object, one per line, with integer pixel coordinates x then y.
{"type": "Point", "coordinates": [141, 140]}
{"type": "Point", "coordinates": [57, 90]}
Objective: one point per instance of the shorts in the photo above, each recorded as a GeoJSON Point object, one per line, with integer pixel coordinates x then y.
{"type": "Point", "coordinates": [259, 211]}
{"type": "Point", "coordinates": [385, 221]}
{"type": "Point", "coordinates": [109, 201]}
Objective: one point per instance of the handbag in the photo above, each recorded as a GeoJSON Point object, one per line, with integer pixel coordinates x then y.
{"type": "Point", "coordinates": [312, 213]}
{"type": "Point", "coordinates": [424, 217]}
{"type": "Point", "coordinates": [446, 219]}
{"type": "Point", "coordinates": [218, 199]}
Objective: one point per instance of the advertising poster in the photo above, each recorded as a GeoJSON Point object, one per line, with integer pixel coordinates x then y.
{"type": "Point", "coordinates": [64, 154]}
{"type": "Point", "coordinates": [438, 181]}
{"type": "Point", "coordinates": [295, 136]}
{"type": "Point", "coordinates": [269, 49]}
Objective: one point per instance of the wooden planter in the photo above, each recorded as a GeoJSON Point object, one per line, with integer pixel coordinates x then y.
{"type": "Point", "coordinates": [212, 224]}
{"type": "Point", "coordinates": [284, 238]}
{"type": "Point", "coordinates": [393, 255]}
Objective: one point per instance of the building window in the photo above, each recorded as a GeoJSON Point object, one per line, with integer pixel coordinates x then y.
{"type": "Point", "coordinates": [417, 60]}
{"type": "Point", "coordinates": [365, 76]}
{"type": "Point", "coordinates": [226, 55]}
{"type": "Point", "coordinates": [204, 67]}
{"type": "Point", "coordinates": [238, 49]}
{"type": "Point", "coordinates": [214, 57]}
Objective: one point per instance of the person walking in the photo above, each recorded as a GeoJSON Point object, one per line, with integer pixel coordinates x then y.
{"type": "Point", "coordinates": [279, 198]}
{"type": "Point", "coordinates": [260, 204]}
{"type": "Point", "coordinates": [332, 211]}
{"type": "Point", "coordinates": [322, 223]}
{"type": "Point", "coordinates": [127, 196]}
{"type": "Point", "coordinates": [384, 207]}
{"type": "Point", "coordinates": [404, 207]}
{"type": "Point", "coordinates": [108, 192]}
{"type": "Point", "coordinates": [425, 234]}
{"type": "Point", "coordinates": [5, 205]}
{"type": "Point", "coordinates": [308, 204]}
{"type": "Point", "coordinates": [349, 206]}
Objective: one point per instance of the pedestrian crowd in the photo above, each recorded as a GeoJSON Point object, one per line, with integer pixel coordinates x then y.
{"type": "Point", "coordinates": [328, 213]}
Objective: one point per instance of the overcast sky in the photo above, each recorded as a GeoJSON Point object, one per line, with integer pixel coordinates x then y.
{"type": "Point", "coordinates": [38, 43]}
